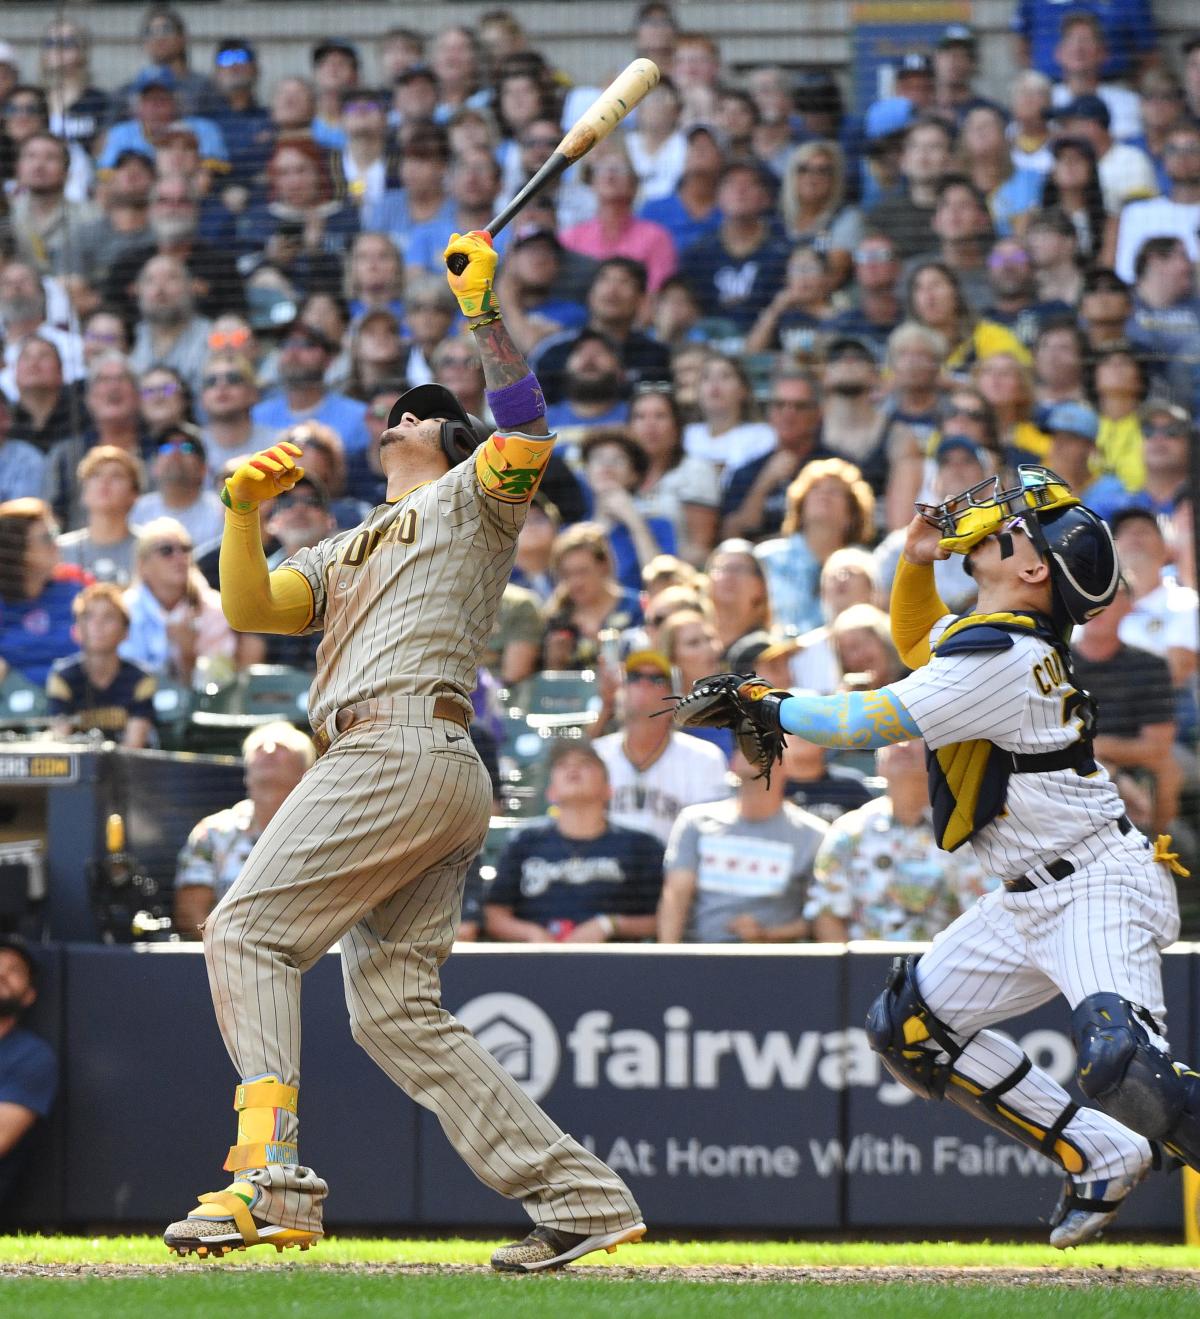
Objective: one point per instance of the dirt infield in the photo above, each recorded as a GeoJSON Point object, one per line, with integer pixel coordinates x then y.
{"type": "Point", "coordinates": [1081, 1278]}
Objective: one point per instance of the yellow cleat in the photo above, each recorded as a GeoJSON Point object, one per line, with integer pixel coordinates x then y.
{"type": "Point", "coordinates": [223, 1222]}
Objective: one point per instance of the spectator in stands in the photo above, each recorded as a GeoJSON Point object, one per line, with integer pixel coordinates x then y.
{"type": "Point", "coordinates": [738, 871]}
{"type": "Point", "coordinates": [244, 123]}
{"type": "Point", "coordinates": [615, 231]}
{"type": "Point", "coordinates": [736, 119]}
{"type": "Point", "coordinates": [21, 465]}
{"type": "Point", "coordinates": [594, 392]}
{"type": "Point", "coordinates": [23, 311]}
{"type": "Point", "coordinates": [400, 51]}
{"type": "Point", "coordinates": [78, 110]}
{"type": "Point", "coordinates": [696, 69]}
{"type": "Point", "coordinates": [615, 298]}
{"type": "Point", "coordinates": [375, 277]}
{"type": "Point", "coordinates": [164, 43]}
{"type": "Point", "coordinates": [170, 331]}
{"type": "Point", "coordinates": [1165, 325]}
{"type": "Point", "coordinates": [736, 591]}
{"type": "Point", "coordinates": [37, 591]}
{"type": "Point", "coordinates": [1012, 194]}
{"type": "Point", "coordinates": [1166, 432]}
{"type": "Point", "coordinates": [687, 638]}
{"type": "Point", "coordinates": [1175, 215]}
{"type": "Point", "coordinates": [879, 873]}
{"type": "Point", "coordinates": [877, 308]}
{"type": "Point", "coordinates": [657, 148]}
{"type": "Point", "coordinates": [335, 69]}
{"type": "Point", "coordinates": [213, 280]}
{"type": "Point", "coordinates": [421, 205]}
{"type": "Point", "coordinates": [736, 270]}
{"type": "Point", "coordinates": [1135, 722]}
{"type": "Point", "coordinates": [819, 787]}
{"type": "Point", "coordinates": [1163, 107]}
{"type": "Point", "coordinates": [227, 393]}
{"type": "Point", "coordinates": [293, 107]}
{"type": "Point", "coordinates": [862, 640]}
{"type": "Point", "coordinates": [579, 878]}
{"type": "Point", "coordinates": [108, 479]}
{"type": "Point", "coordinates": [1121, 384]}
{"type": "Point", "coordinates": [963, 226]}
{"type": "Point", "coordinates": [653, 770]}
{"type": "Point", "coordinates": [1163, 617]}
{"type": "Point", "coordinates": [300, 226]}
{"type": "Point", "coordinates": [1126, 173]}
{"type": "Point", "coordinates": [936, 300]}
{"type": "Point", "coordinates": [323, 456]}
{"type": "Point", "coordinates": [1053, 248]}
{"type": "Point", "coordinates": [1073, 429]}
{"type": "Point", "coordinates": [276, 758]}
{"type": "Point", "coordinates": [655, 33]}
{"type": "Point", "coordinates": [456, 59]}
{"type": "Point", "coordinates": [676, 317]}
{"type": "Point", "coordinates": [103, 332]}
{"type": "Point", "coordinates": [907, 217]}
{"type": "Point", "coordinates": [366, 167]}
{"type": "Point", "coordinates": [1082, 54]}
{"type": "Point", "coordinates": [166, 400]}
{"type": "Point", "coordinates": [690, 213]}
{"type": "Point", "coordinates": [1059, 354]}
{"type": "Point", "coordinates": [534, 306]}
{"type": "Point", "coordinates": [1073, 186]}
{"type": "Point", "coordinates": [27, 114]}
{"type": "Point", "coordinates": [586, 598]}
{"type": "Point", "coordinates": [728, 434]}
{"type": "Point", "coordinates": [96, 689]}
{"type": "Point", "coordinates": [795, 317]}
{"type": "Point", "coordinates": [535, 548]}
{"type": "Point", "coordinates": [1014, 302]}
{"type": "Point", "coordinates": [46, 410]}
{"type": "Point", "coordinates": [1006, 382]}
{"type": "Point", "coordinates": [123, 224]}
{"type": "Point", "coordinates": [1028, 133]}
{"type": "Point", "coordinates": [304, 356]}
{"type": "Point", "coordinates": [829, 505]}
{"type": "Point", "coordinates": [175, 616]}
{"type": "Point", "coordinates": [179, 473]}
{"type": "Point", "coordinates": [955, 66]}
{"type": "Point", "coordinates": [676, 486]}
{"type": "Point", "coordinates": [158, 102]}
{"type": "Point", "coordinates": [112, 404]}
{"type": "Point", "coordinates": [28, 1068]}
{"type": "Point", "coordinates": [614, 466]}
{"type": "Point", "coordinates": [813, 207]}
{"type": "Point", "coordinates": [853, 425]}
{"type": "Point", "coordinates": [515, 646]}
{"type": "Point", "coordinates": [376, 354]}
{"type": "Point", "coordinates": [474, 181]}
{"type": "Point", "coordinates": [1104, 310]}
{"type": "Point", "coordinates": [45, 224]}
{"type": "Point", "coordinates": [1127, 30]}
{"type": "Point", "coordinates": [1191, 75]}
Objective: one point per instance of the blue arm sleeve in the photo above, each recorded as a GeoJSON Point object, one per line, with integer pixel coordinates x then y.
{"type": "Point", "coordinates": [849, 719]}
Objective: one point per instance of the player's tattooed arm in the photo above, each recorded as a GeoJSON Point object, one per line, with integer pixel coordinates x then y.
{"type": "Point", "coordinates": [504, 365]}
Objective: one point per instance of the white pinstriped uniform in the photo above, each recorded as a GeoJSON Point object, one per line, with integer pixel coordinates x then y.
{"type": "Point", "coordinates": [1101, 929]}
{"type": "Point", "coordinates": [372, 848]}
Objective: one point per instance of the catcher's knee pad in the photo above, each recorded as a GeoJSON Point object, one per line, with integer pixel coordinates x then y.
{"type": "Point", "coordinates": [912, 1043]}
{"type": "Point", "coordinates": [1133, 1080]}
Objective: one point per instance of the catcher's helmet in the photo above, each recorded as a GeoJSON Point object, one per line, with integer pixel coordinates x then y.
{"type": "Point", "coordinates": [1078, 548]}
{"type": "Point", "coordinates": [462, 432]}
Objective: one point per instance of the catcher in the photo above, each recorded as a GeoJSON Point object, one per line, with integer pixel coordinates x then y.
{"type": "Point", "coordinates": [1087, 902]}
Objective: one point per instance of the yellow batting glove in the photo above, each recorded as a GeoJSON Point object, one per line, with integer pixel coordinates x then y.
{"type": "Point", "coordinates": [470, 270]}
{"type": "Point", "coordinates": [268, 473]}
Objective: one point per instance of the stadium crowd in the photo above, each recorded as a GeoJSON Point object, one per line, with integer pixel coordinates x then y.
{"type": "Point", "coordinates": [764, 327]}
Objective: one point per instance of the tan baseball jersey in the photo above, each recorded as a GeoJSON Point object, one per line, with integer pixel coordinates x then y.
{"type": "Point", "coordinates": [408, 598]}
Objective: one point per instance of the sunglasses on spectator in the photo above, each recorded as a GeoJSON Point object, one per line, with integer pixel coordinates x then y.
{"type": "Point", "coordinates": [168, 389]}
{"type": "Point", "coordinates": [1007, 260]}
{"type": "Point", "coordinates": [644, 675]}
{"type": "Point", "coordinates": [796, 404]}
{"type": "Point", "coordinates": [181, 446]}
{"type": "Point", "coordinates": [228, 338]}
{"type": "Point", "coordinates": [1175, 430]}
{"type": "Point", "coordinates": [14, 108]}
{"type": "Point", "coordinates": [168, 549]}
{"type": "Point", "coordinates": [362, 106]}
{"type": "Point", "coordinates": [297, 500]}
{"type": "Point", "coordinates": [67, 42]}
{"type": "Point", "coordinates": [972, 414]}
{"type": "Point", "coordinates": [224, 378]}
{"type": "Point", "coordinates": [873, 256]}
{"type": "Point", "coordinates": [229, 59]}
{"type": "Point", "coordinates": [654, 387]}
{"type": "Point", "coordinates": [826, 171]}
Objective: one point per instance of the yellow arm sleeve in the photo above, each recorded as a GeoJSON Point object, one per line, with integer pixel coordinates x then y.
{"type": "Point", "coordinates": [254, 599]}
{"type": "Point", "coordinates": [915, 608]}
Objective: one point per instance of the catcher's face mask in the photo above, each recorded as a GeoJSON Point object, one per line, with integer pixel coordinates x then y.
{"type": "Point", "coordinates": [986, 510]}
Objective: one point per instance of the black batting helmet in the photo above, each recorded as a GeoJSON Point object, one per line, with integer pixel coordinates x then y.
{"type": "Point", "coordinates": [462, 432]}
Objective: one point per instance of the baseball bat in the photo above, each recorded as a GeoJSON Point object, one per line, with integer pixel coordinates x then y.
{"type": "Point", "coordinates": [600, 118]}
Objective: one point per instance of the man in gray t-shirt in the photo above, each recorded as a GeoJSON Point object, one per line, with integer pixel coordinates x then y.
{"type": "Point", "coordinates": [738, 871]}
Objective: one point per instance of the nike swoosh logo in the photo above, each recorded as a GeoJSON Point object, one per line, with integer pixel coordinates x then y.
{"type": "Point", "coordinates": [454, 738]}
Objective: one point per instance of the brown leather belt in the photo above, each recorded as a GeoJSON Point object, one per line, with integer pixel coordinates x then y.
{"type": "Point", "coordinates": [365, 711]}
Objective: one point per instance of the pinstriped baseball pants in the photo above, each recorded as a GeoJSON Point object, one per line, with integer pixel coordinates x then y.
{"type": "Point", "coordinates": [372, 848]}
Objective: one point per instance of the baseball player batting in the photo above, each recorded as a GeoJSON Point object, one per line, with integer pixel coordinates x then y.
{"type": "Point", "coordinates": [373, 845]}
{"type": "Point", "coordinates": [1087, 902]}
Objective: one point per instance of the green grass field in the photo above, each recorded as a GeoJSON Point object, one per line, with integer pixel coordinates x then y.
{"type": "Point", "coordinates": [131, 1277]}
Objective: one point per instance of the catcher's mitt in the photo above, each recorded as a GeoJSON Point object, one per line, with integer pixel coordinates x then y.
{"type": "Point", "coordinates": [743, 703]}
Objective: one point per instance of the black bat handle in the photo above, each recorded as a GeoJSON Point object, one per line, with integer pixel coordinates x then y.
{"type": "Point", "coordinates": [457, 262]}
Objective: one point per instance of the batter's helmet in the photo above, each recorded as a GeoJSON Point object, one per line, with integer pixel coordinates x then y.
{"type": "Point", "coordinates": [462, 432]}
{"type": "Point", "coordinates": [1078, 548]}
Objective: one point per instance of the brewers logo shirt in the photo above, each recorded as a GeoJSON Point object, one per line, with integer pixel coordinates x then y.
{"type": "Point", "coordinates": [72, 694]}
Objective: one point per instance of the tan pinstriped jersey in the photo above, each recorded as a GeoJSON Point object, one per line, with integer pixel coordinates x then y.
{"type": "Point", "coordinates": [408, 598]}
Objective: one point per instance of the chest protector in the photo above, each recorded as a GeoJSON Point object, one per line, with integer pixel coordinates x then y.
{"type": "Point", "coordinates": [968, 781]}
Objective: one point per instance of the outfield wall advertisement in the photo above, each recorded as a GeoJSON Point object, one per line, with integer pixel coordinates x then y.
{"type": "Point", "coordinates": [732, 1089]}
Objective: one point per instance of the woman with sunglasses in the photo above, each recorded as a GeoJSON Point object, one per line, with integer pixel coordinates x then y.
{"type": "Point", "coordinates": [37, 591]}
{"type": "Point", "coordinates": [677, 487]}
{"type": "Point", "coordinates": [812, 204]}
{"type": "Point", "coordinates": [166, 400]}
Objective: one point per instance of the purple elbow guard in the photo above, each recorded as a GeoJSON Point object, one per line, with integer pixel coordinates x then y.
{"type": "Point", "coordinates": [518, 404]}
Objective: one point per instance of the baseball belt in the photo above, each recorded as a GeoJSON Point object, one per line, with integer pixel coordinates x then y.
{"type": "Point", "coordinates": [366, 711]}
{"type": "Point", "coordinates": [1058, 869]}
